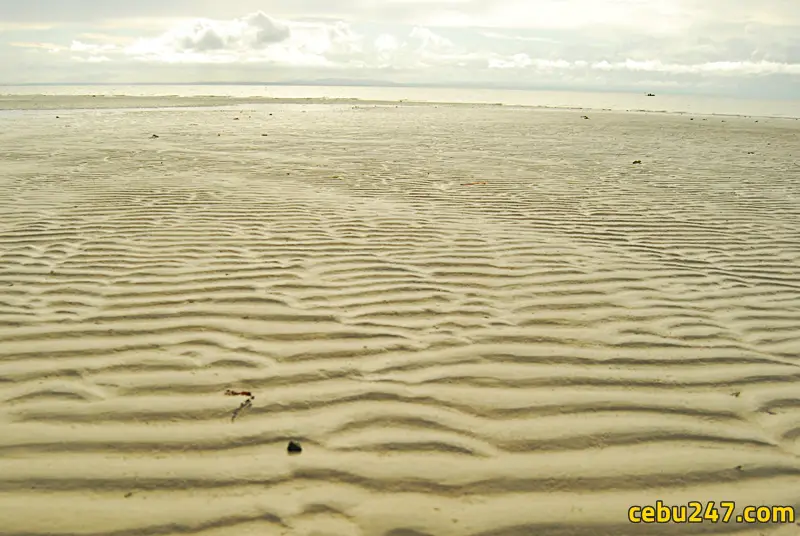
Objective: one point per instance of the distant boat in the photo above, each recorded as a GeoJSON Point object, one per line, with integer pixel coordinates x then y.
{"type": "Point", "coordinates": [651, 94]}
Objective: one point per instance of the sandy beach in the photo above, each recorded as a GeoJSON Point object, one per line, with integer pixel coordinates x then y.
{"type": "Point", "coordinates": [474, 320]}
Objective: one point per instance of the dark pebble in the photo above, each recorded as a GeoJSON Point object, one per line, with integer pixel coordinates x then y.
{"type": "Point", "coordinates": [294, 448]}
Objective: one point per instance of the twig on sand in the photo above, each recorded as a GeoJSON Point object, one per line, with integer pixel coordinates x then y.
{"type": "Point", "coordinates": [244, 405]}
{"type": "Point", "coordinates": [231, 392]}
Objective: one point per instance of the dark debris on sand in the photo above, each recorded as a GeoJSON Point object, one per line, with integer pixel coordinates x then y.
{"type": "Point", "coordinates": [248, 403]}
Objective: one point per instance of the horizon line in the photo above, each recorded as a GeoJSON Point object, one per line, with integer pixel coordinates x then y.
{"type": "Point", "coordinates": [334, 82]}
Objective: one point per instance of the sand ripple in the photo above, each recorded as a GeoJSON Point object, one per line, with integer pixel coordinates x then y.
{"type": "Point", "coordinates": [476, 321]}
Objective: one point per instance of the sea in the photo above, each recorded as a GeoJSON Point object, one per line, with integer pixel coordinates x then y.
{"type": "Point", "coordinates": [666, 103]}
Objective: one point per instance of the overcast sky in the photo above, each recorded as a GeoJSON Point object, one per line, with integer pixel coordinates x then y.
{"type": "Point", "coordinates": [745, 47]}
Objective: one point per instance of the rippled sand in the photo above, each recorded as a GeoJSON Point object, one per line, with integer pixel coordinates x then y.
{"type": "Point", "coordinates": [475, 320]}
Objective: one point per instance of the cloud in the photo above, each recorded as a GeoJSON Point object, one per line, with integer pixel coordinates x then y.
{"type": "Point", "coordinates": [682, 44]}
{"type": "Point", "coordinates": [259, 38]}
{"type": "Point", "coordinates": [517, 61]}
{"type": "Point", "coordinates": [643, 16]}
{"type": "Point", "coordinates": [249, 33]}
{"type": "Point", "coordinates": [428, 41]}
{"type": "Point", "coordinates": [730, 68]}
{"type": "Point", "coordinates": [256, 37]}
{"type": "Point", "coordinates": [496, 35]}
{"type": "Point", "coordinates": [105, 38]}
{"type": "Point", "coordinates": [719, 67]}
{"type": "Point", "coordinates": [267, 29]}
{"type": "Point", "coordinates": [91, 48]}
{"type": "Point", "coordinates": [91, 59]}
{"type": "Point", "coordinates": [201, 38]}
{"type": "Point", "coordinates": [50, 47]}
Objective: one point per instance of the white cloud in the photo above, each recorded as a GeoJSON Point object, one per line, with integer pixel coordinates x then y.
{"type": "Point", "coordinates": [252, 32]}
{"type": "Point", "coordinates": [666, 43]}
{"type": "Point", "coordinates": [50, 47]}
{"type": "Point", "coordinates": [729, 68]}
{"type": "Point", "coordinates": [719, 67]}
{"type": "Point", "coordinates": [258, 38]}
{"type": "Point", "coordinates": [386, 43]}
{"type": "Point", "coordinates": [253, 38]}
{"type": "Point", "coordinates": [336, 40]}
{"type": "Point", "coordinates": [430, 42]}
{"type": "Point", "coordinates": [648, 16]}
{"type": "Point", "coordinates": [90, 59]}
{"type": "Point", "coordinates": [517, 61]}
{"type": "Point", "coordinates": [653, 16]}
{"type": "Point", "coordinates": [496, 35]}
{"type": "Point", "coordinates": [79, 46]}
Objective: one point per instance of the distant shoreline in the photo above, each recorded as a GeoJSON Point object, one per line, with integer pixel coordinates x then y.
{"type": "Point", "coordinates": [41, 102]}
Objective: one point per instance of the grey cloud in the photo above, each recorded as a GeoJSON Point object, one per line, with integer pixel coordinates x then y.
{"type": "Point", "coordinates": [203, 41]}
{"type": "Point", "coordinates": [269, 30]}
{"type": "Point", "coordinates": [251, 32]}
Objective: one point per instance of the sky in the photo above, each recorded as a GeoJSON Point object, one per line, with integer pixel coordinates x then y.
{"type": "Point", "coordinates": [745, 48]}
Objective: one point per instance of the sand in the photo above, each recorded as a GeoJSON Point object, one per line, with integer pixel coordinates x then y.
{"type": "Point", "coordinates": [475, 320]}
